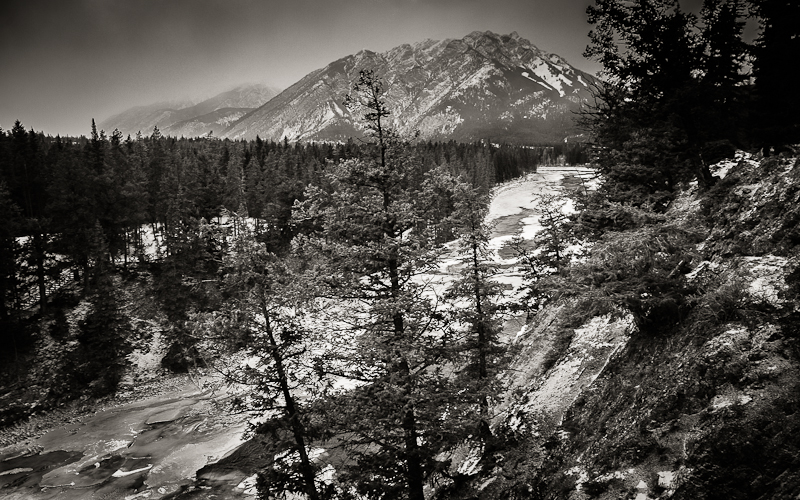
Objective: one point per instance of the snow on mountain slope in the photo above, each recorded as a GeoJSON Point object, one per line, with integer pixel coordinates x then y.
{"type": "Point", "coordinates": [499, 87]}
{"type": "Point", "coordinates": [191, 117]}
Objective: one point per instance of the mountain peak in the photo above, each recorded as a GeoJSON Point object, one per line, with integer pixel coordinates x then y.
{"type": "Point", "coordinates": [218, 111]}
{"type": "Point", "coordinates": [485, 85]}
{"type": "Point", "coordinates": [495, 37]}
{"type": "Point", "coordinates": [480, 37]}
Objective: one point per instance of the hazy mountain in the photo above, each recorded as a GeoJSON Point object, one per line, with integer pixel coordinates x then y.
{"type": "Point", "coordinates": [214, 122]}
{"type": "Point", "coordinates": [484, 86]}
{"type": "Point", "coordinates": [144, 118]}
{"type": "Point", "coordinates": [192, 118]}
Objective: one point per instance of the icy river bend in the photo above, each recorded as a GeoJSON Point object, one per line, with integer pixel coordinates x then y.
{"type": "Point", "coordinates": [156, 448]}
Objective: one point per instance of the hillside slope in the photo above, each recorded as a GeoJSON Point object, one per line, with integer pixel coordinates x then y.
{"type": "Point", "coordinates": [687, 387]}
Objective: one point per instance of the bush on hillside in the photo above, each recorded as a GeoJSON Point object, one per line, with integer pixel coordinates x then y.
{"type": "Point", "coordinates": [641, 271]}
{"type": "Point", "coordinates": [598, 215]}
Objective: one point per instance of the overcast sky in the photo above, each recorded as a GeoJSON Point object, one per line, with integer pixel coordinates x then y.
{"type": "Point", "coordinates": [64, 62]}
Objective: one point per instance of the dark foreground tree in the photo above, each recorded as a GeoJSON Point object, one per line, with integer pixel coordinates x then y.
{"type": "Point", "coordinates": [10, 250]}
{"type": "Point", "coordinates": [777, 115]}
{"type": "Point", "coordinates": [265, 312]}
{"type": "Point", "coordinates": [103, 339]}
{"type": "Point", "coordinates": [666, 109]}
{"type": "Point", "coordinates": [376, 236]}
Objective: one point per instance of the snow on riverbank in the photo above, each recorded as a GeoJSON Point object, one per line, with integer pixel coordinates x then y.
{"type": "Point", "coordinates": [513, 211]}
{"type": "Point", "coordinates": [185, 427]}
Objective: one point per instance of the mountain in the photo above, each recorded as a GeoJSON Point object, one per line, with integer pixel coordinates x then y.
{"type": "Point", "coordinates": [144, 118]}
{"type": "Point", "coordinates": [192, 118]}
{"type": "Point", "coordinates": [196, 126]}
{"type": "Point", "coordinates": [484, 86]}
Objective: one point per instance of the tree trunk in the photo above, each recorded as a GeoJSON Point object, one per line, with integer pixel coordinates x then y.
{"type": "Point", "coordinates": [704, 177]}
{"type": "Point", "coordinates": [480, 327]}
{"type": "Point", "coordinates": [38, 250]}
{"type": "Point", "coordinates": [298, 432]}
{"type": "Point", "coordinates": [414, 474]}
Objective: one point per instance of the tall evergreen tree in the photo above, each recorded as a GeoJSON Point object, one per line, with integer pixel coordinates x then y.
{"type": "Point", "coordinates": [778, 104]}
{"type": "Point", "coordinates": [376, 238]}
{"type": "Point", "coordinates": [72, 209]}
{"type": "Point", "coordinates": [266, 307]}
{"type": "Point", "coordinates": [474, 298]}
{"type": "Point", "coordinates": [103, 338]}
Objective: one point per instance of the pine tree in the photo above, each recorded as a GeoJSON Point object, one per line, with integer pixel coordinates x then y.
{"type": "Point", "coordinates": [266, 307]}
{"type": "Point", "coordinates": [546, 255]}
{"type": "Point", "coordinates": [663, 112]}
{"type": "Point", "coordinates": [103, 338]}
{"type": "Point", "coordinates": [474, 298]}
{"type": "Point", "coordinates": [554, 238]}
{"type": "Point", "coordinates": [73, 210]}
{"type": "Point", "coordinates": [28, 187]}
{"type": "Point", "coordinates": [130, 180]}
{"type": "Point", "coordinates": [376, 237]}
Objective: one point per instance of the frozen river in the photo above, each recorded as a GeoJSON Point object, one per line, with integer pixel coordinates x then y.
{"type": "Point", "coordinates": [184, 444]}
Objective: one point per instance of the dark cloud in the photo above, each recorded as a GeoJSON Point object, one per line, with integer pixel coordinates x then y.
{"type": "Point", "coordinates": [66, 61]}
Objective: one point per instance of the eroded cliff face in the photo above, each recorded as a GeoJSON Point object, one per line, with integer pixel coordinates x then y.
{"type": "Point", "coordinates": [703, 402]}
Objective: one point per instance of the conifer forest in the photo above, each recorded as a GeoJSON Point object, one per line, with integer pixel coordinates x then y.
{"type": "Point", "coordinates": [401, 316]}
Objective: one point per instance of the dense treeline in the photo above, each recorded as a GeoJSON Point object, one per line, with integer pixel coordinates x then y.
{"type": "Point", "coordinates": [366, 222]}
{"type": "Point", "coordinates": [77, 197]}
{"type": "Point", "coordinates": [682, 91]}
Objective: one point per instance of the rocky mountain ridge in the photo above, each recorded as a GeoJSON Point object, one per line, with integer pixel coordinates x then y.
{"type": "Point", "coordinates": [191, 118]}
{"type": "Point", "coordinates": [484, 86]}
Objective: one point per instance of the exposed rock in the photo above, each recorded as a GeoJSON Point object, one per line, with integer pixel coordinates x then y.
{"type": "Point", "coordinates": [484, 86]}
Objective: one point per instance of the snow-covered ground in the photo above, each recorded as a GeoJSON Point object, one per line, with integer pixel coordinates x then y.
{"type": "Point", "coordinates": [190, 430]}
{"type": "Point", "coordinates": [514, 212]}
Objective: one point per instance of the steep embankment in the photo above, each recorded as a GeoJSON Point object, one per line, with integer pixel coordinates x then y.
{"type": "Point", "coordinates": [673, 368]}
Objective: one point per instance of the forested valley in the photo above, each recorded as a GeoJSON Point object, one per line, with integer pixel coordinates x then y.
{"type": "Point", "coordinates": [352, 288]}
{"type": "Point", "coordinates": [234, 241]}
{"type": "Point", "coordinates": [78, 204]}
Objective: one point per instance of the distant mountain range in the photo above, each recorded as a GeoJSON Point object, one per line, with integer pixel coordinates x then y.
{"type": "Point", "coordinates": [484, 86]}
{"type": "Point", "coordinates": [191, 118]}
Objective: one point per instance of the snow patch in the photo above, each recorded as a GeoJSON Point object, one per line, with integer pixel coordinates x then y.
{"type": "Point", "coordinates": [722, 168]}
{"type": "Point", "coordinates": [122, 473]}
{"type": "Point", "coordinates": [544, 72]}
{"type": "Point", "coordinates": [721, 401]}
{"type": "Point", "coordinates": [248, 484]}
{"type": "Point", "coordinates": [543, 84]}
{"type": "Point", "coordinates": [18, 470]}
{"type": "Point", "coordinates": [666, 479]}
{"type": "Point", "coordinates": [768, 273]}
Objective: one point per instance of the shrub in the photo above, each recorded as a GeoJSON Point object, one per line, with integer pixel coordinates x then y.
{"type": "Point", "coordinates": [641, 271]}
